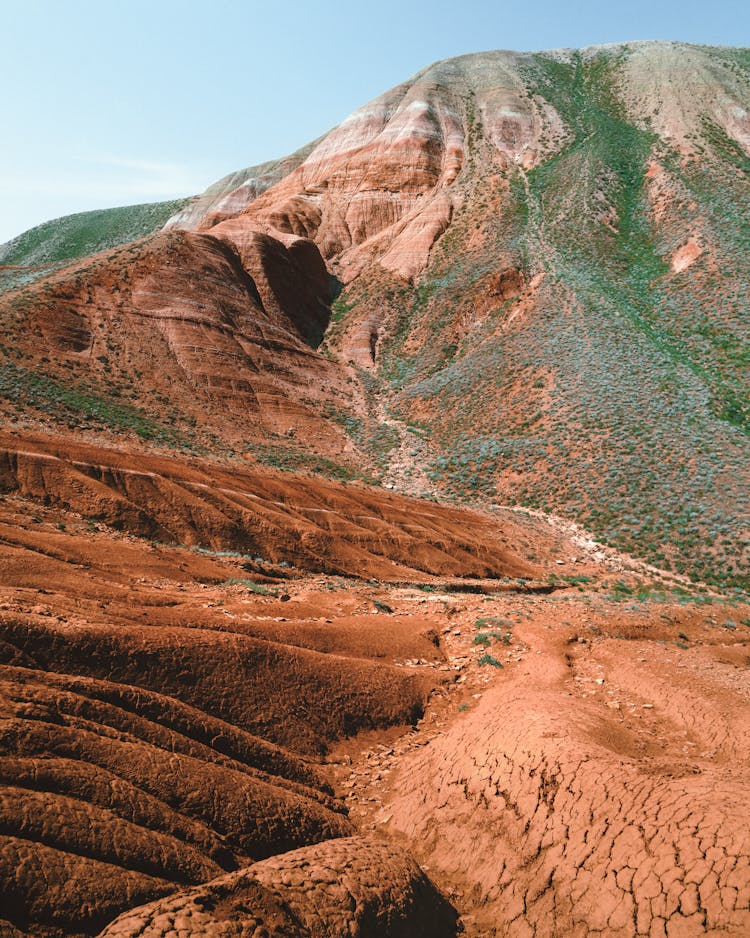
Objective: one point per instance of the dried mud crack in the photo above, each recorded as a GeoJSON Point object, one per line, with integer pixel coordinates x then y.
{"type": "Point", "coordinates": [244, 702]}
{"type": "Point", "coordinates": [207, 740]}
{"type": "Point", "coordinates": [583, 783]}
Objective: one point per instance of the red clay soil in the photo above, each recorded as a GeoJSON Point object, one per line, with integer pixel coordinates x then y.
{"type": "Point", "coordinates": [312, 523]}
{"type": "Point", "coordinates": [591, 780]}
{"type": "Point", "coordinates": [351, 886]}
{"type": "Point", "coordinates": [175, 327]}
{"type": "Point", "coordinates": [138, 756]}
{"type": "Point", "coordinates": [175, 719]}
{"type": "Point", "coordinates": [162, 706]}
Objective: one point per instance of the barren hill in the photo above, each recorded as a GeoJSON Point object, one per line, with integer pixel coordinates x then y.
{"type": "Point", "coordinates": [533, 263]}
{"type": "Point", "coordinates": [248, 702]}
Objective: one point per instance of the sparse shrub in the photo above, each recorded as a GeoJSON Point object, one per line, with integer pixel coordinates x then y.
{"type": "Point", "coordinates": [381, 606]}
{"type": "Point", "coordinates": [250, 585]}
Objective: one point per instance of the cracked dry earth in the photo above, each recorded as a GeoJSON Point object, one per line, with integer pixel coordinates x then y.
{"type": "Point", "coordinates": [207, 742]}
{"type": "Point", "coordinates": [596, 784]}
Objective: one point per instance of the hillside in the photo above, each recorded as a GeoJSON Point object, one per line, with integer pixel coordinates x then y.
{"type": "Point", "coordinates": [39, 250]}
{"type": "Point", "coordinates": [374, 525]}
{"type": "Point", "coordinates": [239, 700]}
{"type": "Point", "coordinates": [540, 260]}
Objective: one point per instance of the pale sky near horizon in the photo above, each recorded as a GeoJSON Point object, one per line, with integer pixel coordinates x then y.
{"type": "Point", "coordinates": [107, 103]}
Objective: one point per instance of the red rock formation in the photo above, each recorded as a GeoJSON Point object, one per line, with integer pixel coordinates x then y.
{"type": "Point", "coordinates": [184, 323]}
{"type": "Point", "coordinates": [159, 718]}
{"type": "Point", "coordinates": [178, 644]}
{"type": "Point", "coordinates": [311, 523]}
{"type": "Point", "coordinates": [326, 891]}
{"type": "Point", "coordinates": [383, 185]}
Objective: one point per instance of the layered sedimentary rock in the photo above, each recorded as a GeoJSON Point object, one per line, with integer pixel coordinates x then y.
{"type": "Point", "coordinates": [235, 191]}
{"type": "Point", "coordinates": [383, 184]}
{"type": "Point", "coordinates": [538, 251]}
{"type": "Point", "coordinates": [313, 524]}
{"type": "Point", "coordinates": [169, 683]}
{"type": "Point", "coordinates": [182, 323]}
{"type": "Point", "coordinates": [535, 250]}
{"type": "Point", "coordinates": [534, 268]}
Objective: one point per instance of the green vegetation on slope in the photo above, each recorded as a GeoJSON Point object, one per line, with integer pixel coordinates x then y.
{"type": "Point", "coordinates": [608, 157]}
{"type": "Point", "coordinates": [79, 406]}
{"type": "Point", "coordinates": [623, 404]}
{"type": "Point", "coordinates": [75, 236]}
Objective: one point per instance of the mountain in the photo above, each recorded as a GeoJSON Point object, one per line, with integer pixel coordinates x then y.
{"type": "Point", "coordinates": [41, 249]}
{"type": "Point", "coordinates": [535, 267]}
{"type": "Point", "coordinates": [374, 525]}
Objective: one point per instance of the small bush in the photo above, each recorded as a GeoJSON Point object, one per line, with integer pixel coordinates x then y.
{"type": "Point", "coordinates": [488, 622]}
{"type": "Point", "coordinates": [381, 606]}
{"type": "Point", "coordinates": [250, 585]}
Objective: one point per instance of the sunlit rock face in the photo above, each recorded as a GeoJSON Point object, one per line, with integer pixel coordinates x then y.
{"type": "Point", "coordinates": [516, 281]}
{"type": "Point", "coordinates": [222, 331]}
{"type": "Point", "coordinates": [384, 184]}
{"type": "Point", "coordinates": [606, 188]}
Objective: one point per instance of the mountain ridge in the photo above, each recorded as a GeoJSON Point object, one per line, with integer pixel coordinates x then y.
{"type": "Point", "coordinates": [456, 245]}
{"type": "Point", "coordinates": [496, 325]}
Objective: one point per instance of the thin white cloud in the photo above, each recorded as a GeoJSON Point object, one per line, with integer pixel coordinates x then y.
{"type": "Point", "coordinates": [148, 167]}
{"type": "Point", "coordinates": [106, 177]}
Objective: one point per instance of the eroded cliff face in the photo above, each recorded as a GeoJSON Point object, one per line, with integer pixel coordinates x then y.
{"type": "Point", "coordinates": [522, 254]}
{"type": "Point", "coordinates": [542, 257]}
{"type": "Point", "coordinates": [527, 273]}
{"type": "Point", "coordinates": [383, 185]}
{"type": "Point", "coordinates": [194, 330]}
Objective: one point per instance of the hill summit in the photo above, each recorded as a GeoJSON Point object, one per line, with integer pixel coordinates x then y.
{"type": "Point", "coordinates": [244, 702]}
{"type": "Point", "coordinates": [515, 278]}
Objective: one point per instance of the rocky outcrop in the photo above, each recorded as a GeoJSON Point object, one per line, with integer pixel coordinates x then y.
{"type": "Point", "coordinates": [191, 324]}
{"type": "Point", "coordinates": [327, 891]}
{"type": "Point", "coordinates": [236, 191]}
{"type": "Point", "coordinates": [383, 185]}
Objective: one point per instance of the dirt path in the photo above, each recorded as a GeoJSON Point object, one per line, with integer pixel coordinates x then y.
{"type": "Point", "coordinates": [591, 780]}
{"type": "Point", "coordinates": [406, 461]}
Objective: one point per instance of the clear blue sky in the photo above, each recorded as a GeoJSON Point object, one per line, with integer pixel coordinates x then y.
{"type": "Point", "coordinates": [122, 101]}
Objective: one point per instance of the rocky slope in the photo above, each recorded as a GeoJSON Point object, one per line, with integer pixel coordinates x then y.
{"type": "Point", "coordinates": [176, 337]}
{"type": "Point", "coordinates": [243, 702]}
{"type": "Point", "coordinates": [164, 709]}
{"type": "Point", "coordinates": [201, 737]}
{"type": "Point", "coordinates": [542, 258]}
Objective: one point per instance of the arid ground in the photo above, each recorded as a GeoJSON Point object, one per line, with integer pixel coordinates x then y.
{"type": "Point", "coordinates": [375, 739]}
{"type": "Point", "coordinates": [375, 526]}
